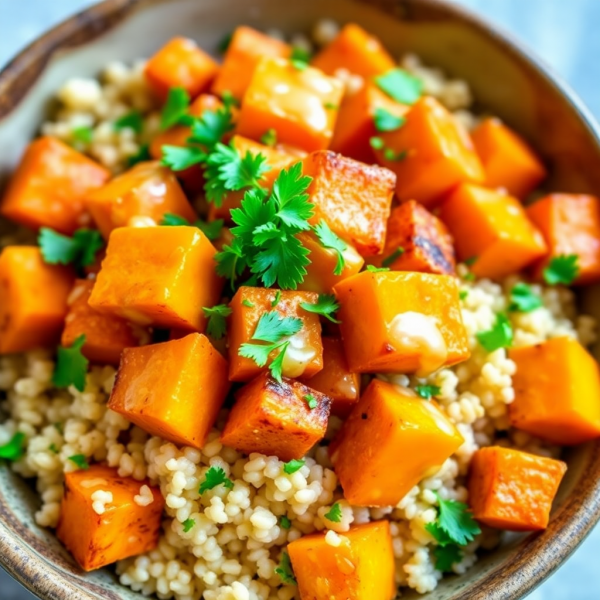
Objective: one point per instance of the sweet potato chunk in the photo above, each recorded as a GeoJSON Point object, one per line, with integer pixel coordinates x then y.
{"type": "Point", "coordinates": [181, 407]}
{"type": "Point", "coordinates": [124, 529]}
{"type": "Point", "coordinates": [50, 185]}
{"type": "Point", "coordinates": [300, 104]}
{"type": "Point", "coordinates": [275, 418]}
{"type": "Point", "coordinates": [514, 490]}
{"type": "Point", "coordinates": [352, 197]}
{"type": "Point", "coordinates": [401, 322]}
{"type": "Point", "coordinates": [355, 50]}
{"type": "Point", "coordinates": [435, 154]}
{"type": "Point", "coordinates": [146, 190]}
{"type": "Point", "coordinates": [304, 355]}
{"type": "Point", "coordinates": [180, 63]}
{"type": "Point", "coordinates": [492, 229]}
{"type": "Point", "coordinates": [570, 224]}
{"type": "Point", "coordinates": [246, 48]}
{"type": "Point", "coordinates": [33, 299]}
{"type": "Point", "coordinates": [507, 160]}
{"type": "Point", "coordinates": [158, 275]}
{"type": "Point", "coordinates": [557, 391]}
{"type": "Point", "coordinates": [389, 422]}
{"type": "Point", "coordinates": [362, 567]}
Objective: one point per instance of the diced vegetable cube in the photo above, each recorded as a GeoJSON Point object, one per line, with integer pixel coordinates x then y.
{"type": "Point", "coordinates": [162, 276]}
{"type": "Point", "coordinates": [49, 187]}
{"type": "Point", "coordinates": [388, 423]}
{"type": "Point", "coordinates": [355, 50]}
{"type": "Point", "coordinates": [352, 197]}
{"type": "Point", "coordinates": [401, 322]}
{"type": "Point", "coordinates": [33, 299]}
{"type": "Point", "coordinates": [275, 418]}
{"type": "Point", "coordinates": [514, 490]}
{"type": "Point", "coordinates": [304, 355]}
{"type": "Point", "coordinates": [491, 229]}
{"type": "Point", "coordinates": [146, 190]}
{"type": "Point", "coordinates": [181, 407]}
{"type": "Point", "coordinates": [570, 224]}
{"type": "Point", "coordinates": [557, 392]}
{"type": "Point", "coordinates": [125, 528]}
{"type": "Point", "coordinates": [292, 101]}
{"type": "Point", "coordinates": [362, 567]}
{"type": "Point", "coordinates": [432, 154]}
{"type": "Point", "coordinates": [507, 160]}
{"type": "Point", "coordinates": [245, 50]}
{"type": "Point", "coordinates": [180, 63]}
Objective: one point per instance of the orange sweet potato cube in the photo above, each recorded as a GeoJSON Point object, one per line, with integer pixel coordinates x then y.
{"type": "Point", "coordinates": [352, 197]}
{"type": "Point", "coordinates": [304, 355]}
{"type": "Point", "coordinates": [50, 185]}
{"type": "Point", "coordinates": [160, 276]}
{"type": "Point", "coordinates": [507, 160]}
{"type": "Point", "coordinates": [435, 154]}
{"type": "Point", "coordinates": [389, 422]}
{"type": "Point", "coordinates": [275, 419]}
{"type": "Point", "coordinates": [368, 548]}
{"type": "Point", "coordinates": [335, 379]}
{"type": "Point", "coordinates": [355, 50]}
{"type": "Point", "coordinates": [105, 335]}
{"type": "Point", "coordinates": [146, 190]}
{"type": "Point", "coordinates": [33, 299]}
{"type": "Point", "coordinates": [570, 224]}
{"type": "Point", "coordinates": [493, 229]}
{"type": "Point", "coordinates": [401, 322]}
{"type": "Point", "coordinates": [514, 490]}
{"type": "Point", "coordinates": [246, 48]}
{"type": "Point", "coordinates": [180, 63]}
{"type": "Point", "coordinates": [182, 407]}
{"type": "Point", "coordinates": [557, 392]}
{"type": "Point", "coordinates": [298, 103]}
{"type": "Point", "coordinates": [124, 529]}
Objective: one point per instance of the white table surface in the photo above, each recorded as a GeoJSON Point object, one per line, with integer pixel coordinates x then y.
{"type": "Point", "coordinates": [564, 32]}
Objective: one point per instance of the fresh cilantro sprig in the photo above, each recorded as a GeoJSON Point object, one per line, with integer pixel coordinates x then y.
{"type": "Point", "coordinates": [211, 230]}
{"type": "Point", "coordinates": [80, 461]}
{"type": "Point", "coordinates": [293, 465]}
{"type": "Point", "coordinates": [132, 120]}
{"type": "Point", "coordinates": [385, 121]}
{"type": "Point", "coordinates": [215, 476]}
{"type": "Point", "coordinates": [14, 448]}
{"type": "Point", "coordinates": [175, 108]}
{"type": "Point", "coordinates": [499, 336]}
{"type": "Point", "coordinates": [330, 240]}
{"type": "Point", "coordinates": [285, 571]}
{"type": "Point", "coordinates": [79, 250]}
{"type": "Point", "coordinates": [393, 257]}
{"type": "Point", "coordinates": [334, 514]}
{"type": "Point", "coordinates": [326, 306]}
{"type": "Point", "coordinates": [454, 524]}
{"type": "Point", "coordinates": [562, 269]}
{"type": "Point", "coordinates": [217, 320]}
{"type": "Point", "coordinates": [523, 299]}
{"type": "Point", "coordinates": [447, 556]}
{"type": "Point", "coordinates": [400, 85]}
{"type": "Point", "coordinates": [141, 155]}
{"type": "Point", "coordinates": [427, 391]}
{"type": "Point", "coordinates": [71, 366]}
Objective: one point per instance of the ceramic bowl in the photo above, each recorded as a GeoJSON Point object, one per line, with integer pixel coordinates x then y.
{"type": "Point", "coordinates": [505, 79]}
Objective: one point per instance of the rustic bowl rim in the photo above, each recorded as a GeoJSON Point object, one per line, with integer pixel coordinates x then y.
{"type": "Point", "coordinates": [506, 582]}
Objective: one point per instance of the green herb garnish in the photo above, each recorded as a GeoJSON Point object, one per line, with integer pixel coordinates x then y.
{"type": "Point", "coordinates": [269, 138]}
{"type": "Point", "coordinates": [562, 269]}
{"type": "Point", "coordinates": [523, 299]}
{"type": "Point", "coordinates": [14, 449]}
{"type": "Point", "coordinates": [335, 513]}
{"type": "Point", "coordinates": [80, 461]}
{"type": "Point", "coordinates": [374, 269]}
{"type": "Point", "coordinates": [217, 320]}
{"type": "Point", "coordinates": [284, 522]}
{"type": "Point", "coordinates": [454, 523]}
{"type": "Point", "coordinates": [276, 299]}
{"type": "Point", "coordinates": [326, 306]}
{"type": "Point", "coordinates": [175, 108]}
{"type": "Point", "coordinates": [215, 476]}
{"type": "Point", "coordinates": [427, 391]}
{"type": "Point", "coordinates": [386, 121]}
{"type": "Point", "coordinates": [499, 336]}
{"type": "Point", "coordinates": [311, 401]}
{"type": "Point", "coordinates": [132, 120]}
{"type": "Point", "coordinates": [71, 366]}
{"type": "Point", "coordinates": [188, 525]}
{"type": "Point", "coordinates": [83, 134]}
{"type": "Point", "coordinates": [330, 240]}
{"type": "Point", "coordinates": [285, 571]}
{"type": "Point", "coordinates": [293, 465]}
{"type": "Point", "coordinates": [79, 250]}
{"type": "Point", "coordinates": [400, 85]}
{"type": "Point", "coordinates": [393, 257]}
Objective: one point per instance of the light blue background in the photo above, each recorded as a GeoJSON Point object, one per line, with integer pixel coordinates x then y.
{"type": "Point", "coordinates": [564, 32]}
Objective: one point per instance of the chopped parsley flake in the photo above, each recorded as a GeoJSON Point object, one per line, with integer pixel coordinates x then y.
{"type": "Point", "coordinates": [335, 513]}
{"type": "Point", "coordinates": [393, 257]}
{"type": "Point", "coordinates": [311, 401]}
{"type": "Point", "coordinates": [53, 448]}
{"type": "Point", "coordinates": [141, 155]}
{"type": "Point", "coordinates": [79, 250]}
{"type": "Point", "coordinates": [71, 366]}
{"type": "Point", "coordinates": [427, 391]}
{"type": "Point", "coordinates": [80, 461]}
{"type": "Point", "coordinates": [562, 269]}
{"type": "Point", "coordinates": [523, 299]}
{"type": "Point", "coordinates": [330, 106]}
{"type": "Point", "coordinates": [215, 476]}
{"type": "Point", "coordinates": [82, 135]}
{"type": "Point", "coordinates": [276, 299]}
{"type": "Point", "coordinates": [132, 120]}
{"type": "Point", "coordinates": [499, 336]}
{"type": "Point", "coordinates": [293, 465]}
{"type": "Point", "coordinates": [247, 303]}
{"type": "Point", "coordinates": [330, 240]}
{"type": "Point", "coordinates": [285, 571]}
{"type": "Point", "coordinates": [374, 269]}
{"type": "Point", "coordinates": [188, 525]}
{"type": "Point", "coordinates": [400, 85]}
{"type": "Point", "coordinates": [385, 121]}
{"type": "Point", "coordinates": [217, 320]}
{"type": "Point", "coordinates": [376, 143]}
{"type": "Point", "coordinates": [471, 261]}
{"type": "Point", "coordinates": [14, 448]}
{"type": "Point", "coordinates": [462, 294]}
{"type": "Point", "coordinates": [284, 522]}
{"type": "Point", "coordinates": [269, 138]}
{"type": "Point", "coordinates": [389, 154]}
{"type": "Point", "coordinates": [326, 306]}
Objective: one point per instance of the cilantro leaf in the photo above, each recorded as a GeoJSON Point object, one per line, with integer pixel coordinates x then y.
{"type": "Point", "coordinates": [272, 327]}
{"type": "Point", "coordinates": [499, 336]}
{"type": "Point", "coordinates": [334, 514]}
{"type": "Point", "coordinates": [376, 143]}
{"type": "Point", "coordinates": [132, 120]}
{"type": "Point", "coordinates": [80, 460]}
{"type": "Point", "coordinates": [14, 448]}
{"type": "Point", "coordinates": [325, 306]}
{"type": "Point", "coordinates": [385, 121]}
{"type": "Point", "coordinates": [176, 107]}
{"type": "Point", "coordinates": [210, 128]}
{"type": "Point", "coordinates": [247, 303]}
{"type": "Point", "coordinates": [330, 240]}
{"type": "Point", "coordinates": [293, 465]}
{"type": "Point", "coordinates": [82, 135]}
{"type": "Point", "coordinates": [285, 571]}
{"type": "Point", "coordinates": [89, 242]}
{"type": "Point", "coordinates": [188, 525]}
{"type": "Point", "coordinates": [79, 250]}
{"type": "Point", "coordinates": [427, 391]}
{"type": "Point", "coordinates": [462, 294]}
{"type": "Point", "coordinates": [281, 261]}
{"type": "Point", "coordinates": [291, 200]}
{"type": "Point", "coordinates": [522, 299]}
{"type": "Point", "coordinates": [71, 366]}
{"type": "Point", "coordinates": [215, 476]}
{"type": "Point", "coordinates": [374, 269]}
{"type": "Point", "coordinates": [300, 54]}
{"type": "Point", "coordinates": [393, 257]}
{"type": "Point", "coordinates": [562, 269]}
{"type": "Point", "coordinates": [179, 158]}
{"type": "Point", "coordinates": [231, 260]}
{"type": "Point", "coordinates": [171, 220]}
{"type": "Point", "coordinates": [269, 138]}
{"type": "Point", "coordinates": [311, 401]}
{"type": "Point", "coordinates": [276, 366]}
{"type": "Point", "coordinates": [454, 524]}
{"type": "Point", "coordinates": [217, 320]}
{"type": "Point", "coordinates": [400, 85]}
{"type": "Point", "coordinates": [276, 299]}
{"type": "Point", "coordinates": [284, 522]}
{"type": "Point", "coordinates": [141, 155]}
{"type": "Point", "coordinates": [389, 154]}
{"type": "Point", "coordinates": [446, 557]}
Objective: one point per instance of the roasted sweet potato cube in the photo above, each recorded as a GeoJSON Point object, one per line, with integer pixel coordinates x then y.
{"type": "Point", "coordinates": [514, 490]}
{"type": "Point", "coordinates": [356, 51]}
{"type": "Point", "coordinates": [105, 335]}
{"type": "Point", "coordinates": [352, 197]}
{"type": "Point", "coordinates": [180, 63]}
{"type": "Point", "coordinates": [146, 190]}
{"type": "Point", "coordinates": [33, 299]}
{"type": "Point", "coordinates": [507, 160]}
{"type": "Point", "coordinates": [367, 548]}
{"type": "Point", "coordinates": [50, 185]}
{"type": "Point", "coordinates": [304, 356]}
{"type": "Point", "coordinates": [492, 229]}
{"type": "Point", "coordinates": [557, 391]}
{"type": "Point", "coordinates": [570, 224]}
{"type": "Point", "coordinates": [433, 152]}
{"type": "Point", "coordinates": [99, 533]}
{"type": "Point", "coordinates": [275, 418]}
{"type": "Point", "coordinates": [182, 407]}
{"type": "Point", "coordinates": [160, 276]}
{"type": "Point", "coordinates": [246, 48]}
{"type": "Point", "coordinates": [389, 422]}
{"type": "Point", "coordinates": [300, 104]}
{"type": "Point", "coordinates": [401, 322]}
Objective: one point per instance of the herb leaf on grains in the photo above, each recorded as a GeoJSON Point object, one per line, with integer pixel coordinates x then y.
{"type": "Point", "coordinates": [285, 571]}
{"type": "Point", "coordinates": [293, 465]}
{"type": "Point", "coordinates": [427, 391]}
{"type": "Point", "coordinates": [80, 460]}
{"type": "Point", "coordinates": [175, 108]}
{"type": "Point", "coordinates": [284, 522]}
{"type": "Point", "coordinates": [215, 476]}
{"type": "Point", "coordinates": [188, 525]}
{"type": "Point", "coordinates": [446, 556]}
{"type": "Point", "coordinates": [132, 120]}
{"type": "Point", "coordinates": [523, 299]}
{"type": "Point", "coordinates": [454, 523]}
{"type": "Point", "coordinates": [562, 269]}
{"type": "Point", "coordinates": [499, 336]}
{"type": "Point", "coordinates": [71, 366]}
{"type": "Point", "coordinates": [14, 449]}
{"type": "Point", "coordinates": [334, 514]}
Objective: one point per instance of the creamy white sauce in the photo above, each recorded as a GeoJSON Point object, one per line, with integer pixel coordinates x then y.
{"type": "Point", "coordinates": [298, 355]}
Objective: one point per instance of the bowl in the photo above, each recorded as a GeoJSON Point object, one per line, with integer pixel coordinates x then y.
{"type": "Point", "coordinates": [505, 79]}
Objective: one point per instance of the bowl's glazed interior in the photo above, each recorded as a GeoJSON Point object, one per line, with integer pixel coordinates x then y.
{"type": "Point", "coordinates": [504, 81]}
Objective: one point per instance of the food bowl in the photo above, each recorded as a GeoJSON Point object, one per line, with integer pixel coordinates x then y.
{"type": "Point", "coordinates": [505, 80]}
